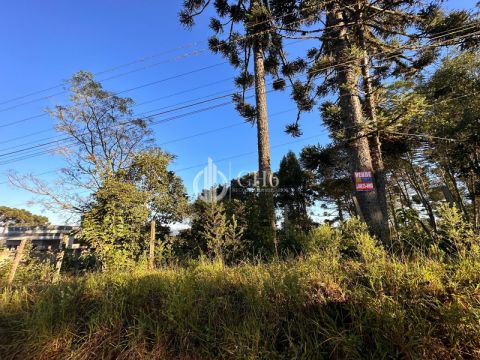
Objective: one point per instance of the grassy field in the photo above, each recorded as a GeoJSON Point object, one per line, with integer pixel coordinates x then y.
{"type": "Point", "coordinates": [327, 305]}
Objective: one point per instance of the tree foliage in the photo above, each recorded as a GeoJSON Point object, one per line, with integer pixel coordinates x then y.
{"type": "Point", "coordinates": [238, 28]}
{"type": "Point", "coordinates": [14, 217]}
{"type": "Point", "coordinates": [105, 133]}
{"type": "Point", "coordinates": [294, 194]}
{"type": "Point", "coordinates": [214, 232]}
{"type": "Point", "coordinates": [167, 198]}
{"type": "Point", "coordinates": [115, 224]}
{"type": "Point", "coordinates": [102, 137]}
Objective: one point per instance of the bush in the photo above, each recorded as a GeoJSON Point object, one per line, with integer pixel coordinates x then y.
{"type": "Point", "coordinates": [75, 263]}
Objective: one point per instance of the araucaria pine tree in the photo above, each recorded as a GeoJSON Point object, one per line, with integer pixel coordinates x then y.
{"type": "Point", "coordinates": [361, 44]}
{"type": "Point", "coordinates": [251, 44]}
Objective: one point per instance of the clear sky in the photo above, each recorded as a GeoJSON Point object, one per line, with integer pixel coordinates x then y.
{"type": "Point", "coordinates": [45, 42]}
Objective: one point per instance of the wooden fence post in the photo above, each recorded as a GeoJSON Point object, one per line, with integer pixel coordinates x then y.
{"type": "Point", "coordinates": [61, 255]}
{"type": "Point", "coordinates": [16, 261]}
{"type": "Point", "coordinates": [151, 255]}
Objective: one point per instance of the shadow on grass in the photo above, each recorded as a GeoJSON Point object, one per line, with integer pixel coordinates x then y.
{"type": "Point", "coordinates": [249, 312]}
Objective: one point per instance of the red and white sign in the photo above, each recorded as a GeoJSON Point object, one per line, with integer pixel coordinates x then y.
{"type": "Point", "coordinates": [363, 181]}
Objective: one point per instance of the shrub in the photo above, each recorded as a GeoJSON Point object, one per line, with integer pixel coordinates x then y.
{"type": "Point", "coordinates": [455, 236]}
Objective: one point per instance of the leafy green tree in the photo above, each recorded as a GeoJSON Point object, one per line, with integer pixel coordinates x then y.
{"type": "Point", "coordinates": [451, 126]}
{"type": "Point", "coordinates": [222, 236]}
{"type": "Point", "coordinates": [245, 202]}
{"type": "Point", "coordinates": [213, 229]}
{"type": "Point", "coordinates": [115, 223]}
{"type": "Point", "coordinates": [107, 136]}
{"type": "Point", "coordinates": [167, 197]}
{"type": "Point", "coordinates": [102, 137]}
{"type": "Point", "coordinates": [14, 217]}
{"type": "Point", "coordinates": [433, 159]}
{"type": "Point", "coordinates": [332, 183]}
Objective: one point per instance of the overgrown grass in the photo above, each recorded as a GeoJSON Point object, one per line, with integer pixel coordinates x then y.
{"type": "Point", "coordinates": [367, 305]}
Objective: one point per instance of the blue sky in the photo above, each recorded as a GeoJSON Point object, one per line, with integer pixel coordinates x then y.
{"type": "Point", "coordinates": [45, 42]}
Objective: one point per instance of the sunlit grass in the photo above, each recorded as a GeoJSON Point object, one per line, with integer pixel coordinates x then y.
{"type": "Point", "coordinates": [317, 307]}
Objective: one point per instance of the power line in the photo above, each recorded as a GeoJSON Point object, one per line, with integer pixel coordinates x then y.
{"type": "Point", "coordinates": [216, 161]}
{"type": "Point", "coordinates": [137, 87]}
{"type": "Point", "coordinates": [177, 106]}
{"type": "Point", "coordinates": [326, 67]}
{"type": "Point", "coordinates": [143, 59]}
{"type": "Point", "coordinates": [112, 69]}
{"type": "Point", "coordinates": [229, 94]}
{"type": "Point", "coordinates": [45, 151]}
{"type": "Point", "coordinates": [250, 152]}
{"type": "Point", "coordinates": [135, 105]}
{"type": "Point", "coordinates": [190, 105]}
{"type": "Point", "coordinates": [180, 57]}
{"type": "Point", "coordinates": [156, 114]}
{"type": "Point", "coordinates": [121, 124]}
{"type": "Point", "coordinates": [275, 146]}
{"type": "Point", "coordinates": [235, 40]}
{"type": "Point", "coordinates": [72, 141]}
{"type": "Point", "coordinates": [23, 120]}
{"type": "Point", "coordinates": [141, 86]}
{"type": "Point", "coordinates": [123, 91]}
{"type": "Point", "coordinates": [185, 91]}
{"type": "Point", "coordinates": [440, 35]}
{"type": "Point", "coordinates": [69, 140]}
{"type": "Point", "coordinates": [305, 139]}
{"type": "Point", "coordinates": [186, 137]}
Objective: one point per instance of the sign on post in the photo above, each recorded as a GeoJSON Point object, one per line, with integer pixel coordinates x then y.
{"type": "Point", "coordinates": [363, 181]}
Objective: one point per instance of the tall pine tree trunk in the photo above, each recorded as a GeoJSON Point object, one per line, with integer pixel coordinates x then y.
{"type": "Point", "coordinates": [267, 206]}
{"type": "Point", "coordinates": [353, 122]}
{"type": "Point", "coordinates": [375, 144]}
